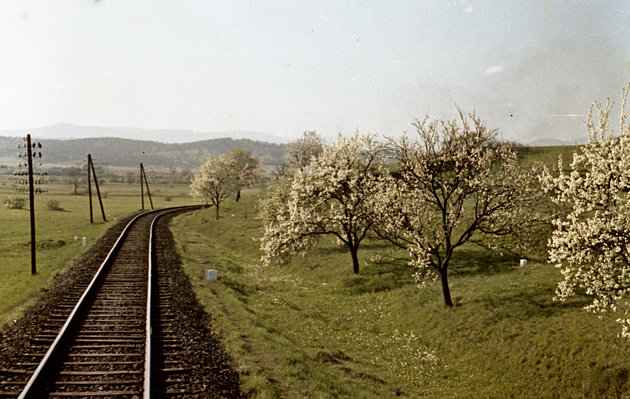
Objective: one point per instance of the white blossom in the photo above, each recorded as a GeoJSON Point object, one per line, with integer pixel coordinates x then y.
{"type": "Point", "coordinates": [302, 151]}
{"type": "Point", "coordinates": [456, 184]}
{"type": "Point", "coordinates": [214, 181]}
{"type": "Point", "coordinates": [329, 196]}
{"type": "Point", "coordinates": [591, 245]}
{"type": "Point", "coordinates": [245, 168]}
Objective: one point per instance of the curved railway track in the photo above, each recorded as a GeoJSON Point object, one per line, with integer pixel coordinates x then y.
{"type": "Point", "coordinates": [112, 337]}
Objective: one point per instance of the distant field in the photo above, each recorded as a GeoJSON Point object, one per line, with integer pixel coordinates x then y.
{"type": "Point", "coordinates": [56, 231]}
{"type": "Point", "coordinates": [312, 329]}
{"type": "Point", "coordinates": [547, 155]}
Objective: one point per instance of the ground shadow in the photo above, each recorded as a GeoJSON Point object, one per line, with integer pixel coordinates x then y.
{"type": "Point", "coordinates": [473, 260]}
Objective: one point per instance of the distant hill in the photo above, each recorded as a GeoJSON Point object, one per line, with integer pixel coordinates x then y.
{"type": "Point", "coordinates": [189, 155]}
{"type": "Point", "coordinates": [126, 152]}
{"type": "Point", "coordinates": [68, 131]}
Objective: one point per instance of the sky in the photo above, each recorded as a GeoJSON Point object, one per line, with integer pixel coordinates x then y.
{"type": "Point", "coordinates": [528, 68]}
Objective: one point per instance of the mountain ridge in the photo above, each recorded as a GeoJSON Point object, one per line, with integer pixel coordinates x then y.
{"type": "Point", "coordinates": [69, 131]}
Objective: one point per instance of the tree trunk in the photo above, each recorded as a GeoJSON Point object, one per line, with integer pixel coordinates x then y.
{"type": "Point", "coordinates": [355, 260]}
{"type": "Point", "coordinates": [216, 209]}
{"type": "Point", "coordinates": [238, 195]}
{"type": "Point", "coordinates": [445, 290]}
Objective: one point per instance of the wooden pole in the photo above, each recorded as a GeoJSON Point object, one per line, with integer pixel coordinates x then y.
{"type": "Point", "coordinates": [146, 182]}
{"type": "Point", "coordinates": [98, 191]}
{"type": "Point", "coordinates": [141, 185]}
{"type": "Point", "coordinates": [90, 186]}
{"type": "Point", "coordinates": [31, 203]}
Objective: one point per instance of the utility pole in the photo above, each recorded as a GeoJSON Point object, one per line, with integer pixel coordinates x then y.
{"type": "Point", "coordinates": [30, 153]}
{"type": "Point", "coordinates": [89, 178]}
{"type": "Point", "coordinates": [141, 185]}
{"type": "Point", "coordinates": [92, 171]}
{"type": "Point", "coordinates": [146, 182]}
{"type": "Point", "coordinates": [31, 202]}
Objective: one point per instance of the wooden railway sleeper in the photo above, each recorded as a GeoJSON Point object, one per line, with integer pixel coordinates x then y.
{"type": "Point", "coordinates": [95, 341]}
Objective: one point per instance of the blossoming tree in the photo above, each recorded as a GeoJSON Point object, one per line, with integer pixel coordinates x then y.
{"type": "Point", "coordinates": [300, 152]}
{"type": "Point", "coordinates": [591, 245]}
{"type": "Point", "coordinates": [456, 184]}
{"type": "Point", "coordinates": [330, 196]}
{"type": "Point", "coordinates": [272, 208]}
{"type": "Point", "coordinates": [214, 181]}
{"type": "Point", "coordinates": [245, 168]}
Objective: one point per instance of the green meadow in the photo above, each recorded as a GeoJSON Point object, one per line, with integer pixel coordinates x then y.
{"type": "Point", "coordinates": [311, 329]}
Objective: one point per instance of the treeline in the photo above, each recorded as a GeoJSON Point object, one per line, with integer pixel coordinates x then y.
{"type": "Point", "coordinates": [76, 176]}
{"type": "Point", "coordinates": [127, 152]}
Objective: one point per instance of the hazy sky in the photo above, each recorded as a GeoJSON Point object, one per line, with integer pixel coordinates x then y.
{"type": "Point", "coordinates": [283, 67]}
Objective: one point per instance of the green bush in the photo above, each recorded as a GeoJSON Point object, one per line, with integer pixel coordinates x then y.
{"type": "Point", "coordinates": [15, 203]}
{"type": "Point", "coordinates": [53, 205]}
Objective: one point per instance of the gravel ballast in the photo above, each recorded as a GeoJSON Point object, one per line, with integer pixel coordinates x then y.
{"type": "Point", "coordinates": [210, 372]}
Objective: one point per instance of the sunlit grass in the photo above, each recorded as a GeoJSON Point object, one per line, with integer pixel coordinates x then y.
{"type": "Point", "coordinates": [312, 329]}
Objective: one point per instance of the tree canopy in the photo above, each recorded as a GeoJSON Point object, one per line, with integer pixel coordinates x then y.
{"type": "Point", "coordinates": [300, 152]}
{"type": "Point", "coordinates": [329, 196]}
{"type": "Point", "coordinates": [456, 184]}
{"type": "Point", "coordinates": [591, 245]}
{"type": "Point", "coordinates": [245, 168]}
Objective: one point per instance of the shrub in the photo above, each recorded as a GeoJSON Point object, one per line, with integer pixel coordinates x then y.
{"type": "Point", "coordinates": [53, 205]}
{"type": "Point", "coordinates": [15, 203]}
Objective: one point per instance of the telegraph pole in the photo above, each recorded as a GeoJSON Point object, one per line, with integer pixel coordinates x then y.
{"type": "Point", "coordinates": [29, 154]}
{"type": "Point", "coordinates": [90, 186]}
{"type": "Point", "coordinates": [141, 185]}
{"type": "Point", "coordinates": [146, 182]}
{"type": "Point", "coordinates": [98, 191]}
{"type": "Point", "coordinates": [31, 202]}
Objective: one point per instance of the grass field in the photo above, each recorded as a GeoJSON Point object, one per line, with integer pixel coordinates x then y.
{"type": "Point", "coordinates": [311, 329]}
{"type": "Point", "coordinates": [56, 229]}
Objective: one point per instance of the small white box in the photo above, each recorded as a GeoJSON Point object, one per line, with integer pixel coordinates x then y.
{"type": "Point", "coordinates": [523, 262]}
{"type": "Point", "coordinates": [211, 274]}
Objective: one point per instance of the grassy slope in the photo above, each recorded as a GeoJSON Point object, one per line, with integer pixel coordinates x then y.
{"type": "Point", "coordinates": [547, 155]}
{"type": "Point", "coordinates": [55, 236]}
{"type": "Point", "coordinates": [312, 329]}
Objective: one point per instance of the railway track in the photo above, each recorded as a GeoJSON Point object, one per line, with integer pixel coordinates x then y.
{"type": "Point", "coordinates": [112, 338]}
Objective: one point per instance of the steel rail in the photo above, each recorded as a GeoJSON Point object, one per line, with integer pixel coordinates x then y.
{"type": "Point", "coordinates": [27, 392]}
{"type": "Point", "coordinates": [149, 319]}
